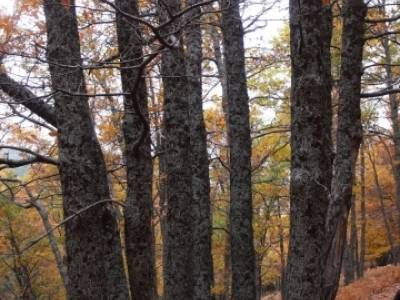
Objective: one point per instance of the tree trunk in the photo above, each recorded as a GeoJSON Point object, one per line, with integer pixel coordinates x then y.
{"type": "Point", "coordinates": [21, 270]}
{"type": "Point", "coordinates": [363, 211]}
{"type": "Point", "coordinates": [394, 118]}
{"type": "Point", "coordinates": [227, 277]}
{"type": "Point", "coordinates": [202, 263]}
{"type": "Point", "coordinates": [349, 136]}
{"type": "Point", "coordinates": [139, 203]}
{"type": "Point", "coordinates": [94, 258]}
{"type": "Point", "coordinates": [281, 243]}
{"type": "Point", "coordinates": [178, 279]}
{"type": "Point", "coordinates": [215, 36]}
{"type": "Point", "coordinates": [354, 237]}
{"type": "Point", "coordinates": [44, 215]}
{"type": "Point", "coordinates": [258, 271]}
{"type": "Point", "coordinates": [161, 188]}
{"type": "Point", "coordinates": [381, 198]}
{"type": "Point", "coordinates": [347, 265]}
{"type": "Point", "coordinates": [221, 70]}
{"type": "Point", "coordinates": [350, 252]}
{"type": "Point", "coordinates": [241, 230]}
{"type": "Point", "coordinates": [311, 144]}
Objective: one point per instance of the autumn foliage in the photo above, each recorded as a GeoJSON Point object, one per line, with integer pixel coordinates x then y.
{"type": "Point", "coordinates": [378, 283]}
{"type": "Point", "coordinates": [23, 47]}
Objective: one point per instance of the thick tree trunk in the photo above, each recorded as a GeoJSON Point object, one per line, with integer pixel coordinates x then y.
{"type": "Point", "coordinates": [94, 258]}
{"type": "Point", "coordinates": [138, 211]}
{"type": "Point", "coordinates": [202, 263]}
{"type": "Point", "coordinates": [349, 136]}
{"type": "Point", "coordinates": [178, 281]}
{"type": "Point", "coordinates": [311, 163]}
{"type": "Point", "coordinates": [241, 230]}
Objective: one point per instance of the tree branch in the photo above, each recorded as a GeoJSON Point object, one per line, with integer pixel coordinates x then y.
{"type": "Point", "coordinates": [34, 158]}
{"type": "Point", "coordinates": [30, 119]}
{"type": "Point", "coordinates": [67, 219]}
{"type": "Point", "coordinates": [383, 20]}
{"type": "Point", "coordinates": [380, 93]}
{"type": "Point", "coordinates": [371, 37]}
{"type": "Point", "coordinates": [24, 96]}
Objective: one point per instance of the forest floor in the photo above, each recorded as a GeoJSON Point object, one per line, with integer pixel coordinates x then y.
{"type": "Point", "coordinates": [378, 284]}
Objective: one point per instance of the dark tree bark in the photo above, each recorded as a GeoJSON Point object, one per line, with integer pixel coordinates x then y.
{"type": "Point", "coordinates": [241, 230]}
{"type": "Point", "coordinates": [94, 259]}
{"type": "Point", "coordinates": [349, 136]}
{"type": "Point", "coordinates": [202, 230]}
{"type": "Point", "coordinates": [178, 278]}
{"type": "Point", "coordinates": [347, 265]}
{"type": "Point", "coordinates": [363, 211]}
{"type": "Point", "coordinates": [311, 167]}
{"type": "Point", "coordinates": [138, 211]}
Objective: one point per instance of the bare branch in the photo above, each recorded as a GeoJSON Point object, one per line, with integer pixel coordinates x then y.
{"type": "Point", "coordinates": [69, 218]}
{"type": "Point", "coordinates": [29, 118]}
{"type": "Point", "coordinates": [380, 93]}
{"type": "Point", "coordinates": [383, 20]}
{"type": "Point", "coordinates": [24, 96]}
{"type": "Point", "coordinates": [383, 34]}
{"type": "Point", "coordinates": [34, 158]}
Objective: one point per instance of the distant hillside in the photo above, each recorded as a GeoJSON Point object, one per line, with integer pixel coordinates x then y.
{"type": "Point", "coordinates": [21, 171]}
